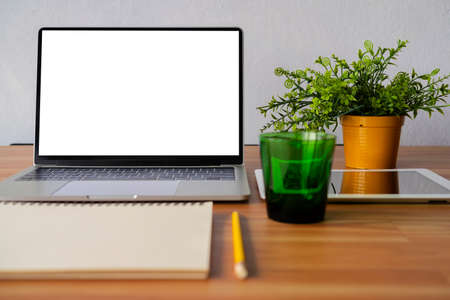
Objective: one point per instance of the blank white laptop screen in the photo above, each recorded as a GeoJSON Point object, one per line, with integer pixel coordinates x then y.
{"type": "Point", "coordinates": [124, 92]}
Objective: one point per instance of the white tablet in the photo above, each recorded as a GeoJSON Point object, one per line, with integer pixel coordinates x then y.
{"type": "Point", "coordinates": [385, 185]}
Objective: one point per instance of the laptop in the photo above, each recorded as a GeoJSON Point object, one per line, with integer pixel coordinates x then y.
{"type": "Point", "coordinates": [131, 114]}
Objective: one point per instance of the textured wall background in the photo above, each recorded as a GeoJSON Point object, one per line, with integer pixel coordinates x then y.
{"type": "Point", "coordinates": [276, 33]}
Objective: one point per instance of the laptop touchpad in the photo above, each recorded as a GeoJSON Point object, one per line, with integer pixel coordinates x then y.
{"type": "Point", "coordinates": [118, 188]}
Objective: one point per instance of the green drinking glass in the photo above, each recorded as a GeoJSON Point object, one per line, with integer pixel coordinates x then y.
{"type": "Point", "coordinates": [296, 168]}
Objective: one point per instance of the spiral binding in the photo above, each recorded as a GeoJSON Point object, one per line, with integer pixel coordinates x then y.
{"type": "Point", "coordinates": [102, 203]}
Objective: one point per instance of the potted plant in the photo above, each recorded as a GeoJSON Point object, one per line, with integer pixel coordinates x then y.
{"type": "Point", "coordinates": [370, 105]}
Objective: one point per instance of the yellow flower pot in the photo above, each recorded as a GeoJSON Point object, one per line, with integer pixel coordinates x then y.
{"type": "Point", "coordinates": [371, 142]}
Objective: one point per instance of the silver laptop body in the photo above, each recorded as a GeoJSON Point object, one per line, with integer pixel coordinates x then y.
{"type": "Point", "coordinates": [135, 114]}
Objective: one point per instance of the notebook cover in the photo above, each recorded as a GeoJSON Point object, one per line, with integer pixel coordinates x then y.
{"type": "Point", "coordinates": [105, 241]}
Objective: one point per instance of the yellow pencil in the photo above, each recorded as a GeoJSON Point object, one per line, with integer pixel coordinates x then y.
{"type": "Point", "coordinates": [239, 258]}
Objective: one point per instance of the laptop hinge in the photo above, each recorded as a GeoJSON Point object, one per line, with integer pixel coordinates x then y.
{"type": "Point", "coordinates": [139, 166]}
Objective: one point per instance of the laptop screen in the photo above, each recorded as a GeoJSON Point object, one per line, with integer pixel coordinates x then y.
{"type": "Point", "coordinates": [139, 92]}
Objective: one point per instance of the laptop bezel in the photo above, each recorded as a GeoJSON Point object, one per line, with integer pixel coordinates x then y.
{"type": "Point", "coordinates": [174, 160]}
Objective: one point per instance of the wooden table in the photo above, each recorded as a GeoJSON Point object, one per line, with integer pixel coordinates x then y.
{"type": "Point", "coordinates": [359, 251]}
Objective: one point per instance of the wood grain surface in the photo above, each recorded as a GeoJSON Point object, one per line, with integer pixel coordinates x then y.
{"type": "Point", "coordinates": [369, 251]}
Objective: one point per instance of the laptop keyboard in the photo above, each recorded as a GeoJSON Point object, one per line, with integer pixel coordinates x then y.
{"type": "Point", "coordinates": [64, 174]}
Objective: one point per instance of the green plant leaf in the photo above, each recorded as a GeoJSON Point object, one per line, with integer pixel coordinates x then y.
{"type": "Point", "coordinates": [326, 61]}
{"type": "Point", "coordinates": [278, 71]}
{"type": "Point", "coordinates": [300, 73]}
{"type": "Point", "coordinates": [368, 45]}
{"type": "Point", "coordinates": [288, 83]}
{"type": "Point", "coordinates": [434, 72]}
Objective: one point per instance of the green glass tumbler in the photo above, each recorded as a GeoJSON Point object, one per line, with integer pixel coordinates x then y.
{"type": "Point", "coordinates": [296, 168]}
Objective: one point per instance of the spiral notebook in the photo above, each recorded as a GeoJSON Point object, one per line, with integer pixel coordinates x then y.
{"type": "Point", "coordinates": [105, 241]}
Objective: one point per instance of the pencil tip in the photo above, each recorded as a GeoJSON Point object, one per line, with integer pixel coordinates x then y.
{"type": "Point", "coordinates": [240, 270]}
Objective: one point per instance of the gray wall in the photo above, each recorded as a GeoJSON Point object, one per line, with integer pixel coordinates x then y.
{"type": "Point", "coordinates": [277, 33]}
